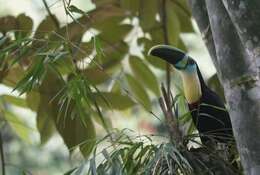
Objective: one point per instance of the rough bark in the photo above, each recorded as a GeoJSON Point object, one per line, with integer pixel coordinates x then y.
{"type": "Point", "coordinates": [238, 73]}
{"type": "Point", "coordinates": [245, 15]}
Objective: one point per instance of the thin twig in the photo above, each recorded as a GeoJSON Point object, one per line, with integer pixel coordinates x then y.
{"type": "Point", "coordinates": [2, 154]}
{"type": "Point", "coordinates": [165, 104]}
{"type": "Point", "coordinates": [166, 41]}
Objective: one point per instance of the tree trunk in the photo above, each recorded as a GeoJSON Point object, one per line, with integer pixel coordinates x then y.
{"type": "Point", "coordinates": [231, 32]}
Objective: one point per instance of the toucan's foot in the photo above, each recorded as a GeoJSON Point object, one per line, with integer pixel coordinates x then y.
{"type": "Point", "coordinates": [172, 55]}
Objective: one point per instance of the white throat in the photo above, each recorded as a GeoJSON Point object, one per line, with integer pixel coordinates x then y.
{"type": "Point", "coordinates": [191, 85]}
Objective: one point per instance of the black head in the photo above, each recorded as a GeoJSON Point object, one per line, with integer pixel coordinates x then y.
{"type": "Point", "coordinates": [168, 53]}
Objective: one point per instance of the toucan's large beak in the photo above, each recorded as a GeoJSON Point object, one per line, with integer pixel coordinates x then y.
{"type": "Point", "coordinates": [168, 53]}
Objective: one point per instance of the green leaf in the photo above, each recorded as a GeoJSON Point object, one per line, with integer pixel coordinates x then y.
{"type": "Point", "coordinates": [74, 31]}
{"type": "Point", "coordinates": [138, 92]}
{"type": "Point", "coordinates": [48, 108]}
{"type": "Point", "coordinates": [96, 75]}
{"type": "Point", "coordinates": [116, 87]}
{"type": "Point", "coordinates": [75, 130]}
{"type": "Point", "coordinates": [182, 46]}
{"type": "Point", "coordinates": [13, 76]}
{"type": "Point", "coordinates": [7, 23]}
{"type": "Point", "coordinates": [157, 35]}
{"type": "Point", "coordinates": [131, 6]}
{"type": "Point", "coordinates": [107, 25]}
{"type": "Point", "coordinates": [113, 100]}
{"type": "Point", "coordinates": [43, 30]}
{"type": "Point", "coordinates": [97, 119]}
{"type": "Point", "coordinates": [99, 3]}
{"type": "Point", "coordinates": [44, 120]}
{"type": "Point", "coordinates": [115, 33]}
{"type": "Point", "coordinates": [148, 11]}
{"type": "Point", "coordinates": [17, 101]}
{"type": "Point", "coordinates": [113, 54]}
{"type": "Point", "coordinates": [158, 63]}
{"type": "Point", "coordinates": [144, 74]}
{"type": "Point", "coordinates": [73, 8]}
{"type": "Point", "coordinates": [98, 47]}
{"type": "Point", "coordinates": [183, 12]}
{"type": "Point", "coordinates": [112, 30]}
{"type": "Point", "coordinates": [173, 24]}
{"type": "Point", "coordinates": [25, 25]}
{"type": "Point", "coordinates": [19, 126]}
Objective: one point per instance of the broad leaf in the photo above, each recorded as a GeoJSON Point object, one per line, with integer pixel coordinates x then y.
{"type": "Point", "coordinates": [17, 101]}
{"type": "Point", "coordinates": [139, 92]}
{"type": "Point", "coordinates": [156, 62]}
{"type": "Point", "coordinates": [18, 125]}
{"type": "Point", "coordinates": [113, 100]}
{"type": "Point", "coordinates": [7, 23]}
{"type": "Point", "coordinates": [116, 87]}
{"type": "Point", "coordinates": [113, 54]}
{"type": "Point", "coordinates": [48, 108]}
{"type": "Point", "coordinates": [96, 75]}
{"type": "Point", "coordinates": [43, 31]}
{"type": "Point", "coordinates": [115, 33]}
{"type": "Point", "coordinates": [45, 123]}
{"type": "Point", "coordinates": [75, 30]}
{"type": "Point", "coordinates": [25, 25]}
{"type": "Point", "coordinates": [173, 24]}
{"type": "Point", "coordinates": [181, 8]}
{"type": "Point", "coordinates": [144, 74]}
{"type": "Point", "coordinates": [13, 76]}
{"type": "Point", "coordinates": [99, 3]}
{"type": "Point", "coordinates": [75, 132]}
{"type": "Point", "coordinates": [148, 11]}
{"type": "Point", "coordinates": [131, 6]}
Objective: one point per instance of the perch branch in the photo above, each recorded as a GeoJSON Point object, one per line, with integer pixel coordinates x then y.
{"type": "Point", "coordinates": [166, 107]}
{"type": "Point", "coordinates": [2, 154]}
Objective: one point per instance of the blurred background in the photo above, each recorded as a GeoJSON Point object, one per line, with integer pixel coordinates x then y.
{"type": "Point", "coordinates": [24, 151]}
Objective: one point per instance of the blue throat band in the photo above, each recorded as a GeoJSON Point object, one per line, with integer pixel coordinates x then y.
{"type": "Point", "coordinates": [183, 63]}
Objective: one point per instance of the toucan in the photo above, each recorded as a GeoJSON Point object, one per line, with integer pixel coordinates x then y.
{"type": "Point", "coordinates": [207, 109]}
